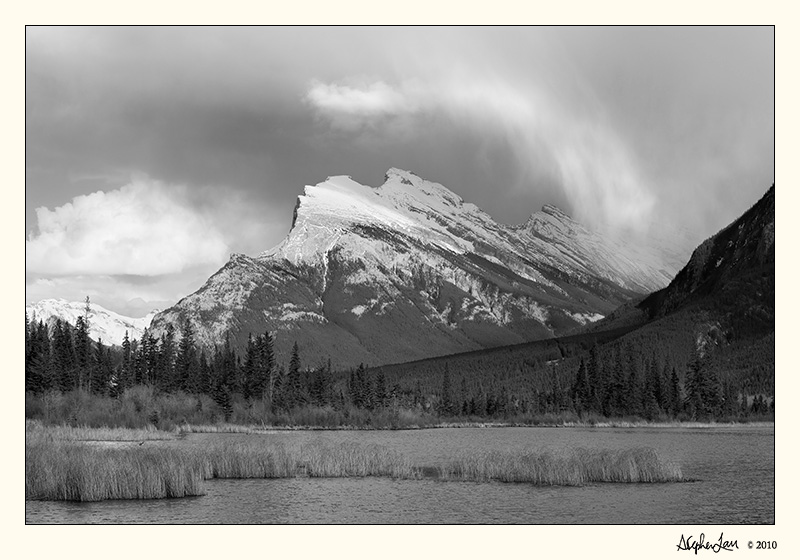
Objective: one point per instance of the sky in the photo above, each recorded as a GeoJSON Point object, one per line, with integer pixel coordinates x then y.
{"type": "Point", "coordinates": [154, 153]}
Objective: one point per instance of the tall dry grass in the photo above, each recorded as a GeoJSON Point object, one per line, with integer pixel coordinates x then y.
{"type": "Point", "coordinates": [572, 468]}
{"type": "Point", "coordinates": [66, 463]}
{"type": "Point", "coordinates": [62, 469]}
{"type": "Point", "coordinates": [246, 459]}
{"type": "Point", "coordinates": [350, 459]}
{"type": "Point", "coordinates": [85, 433]}
{"type": "Point", "coordinates": [60, 466]}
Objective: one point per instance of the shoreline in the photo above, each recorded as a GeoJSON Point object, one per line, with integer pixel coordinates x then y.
{"type": "Point", "coordinates": [254, 429]}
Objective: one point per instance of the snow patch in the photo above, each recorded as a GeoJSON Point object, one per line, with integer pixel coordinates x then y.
{"type": "Point", "coordinates": [358, 310]}
{"type": "Point", "coordinates": [583, 318]}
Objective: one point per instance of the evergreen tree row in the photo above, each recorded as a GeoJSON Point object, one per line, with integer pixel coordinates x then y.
{"type": "Point", "coordinates": [609, 381]}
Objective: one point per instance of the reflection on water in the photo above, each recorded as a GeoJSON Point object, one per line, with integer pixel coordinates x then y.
{"type": "Point", "coordinates": [734, 468]}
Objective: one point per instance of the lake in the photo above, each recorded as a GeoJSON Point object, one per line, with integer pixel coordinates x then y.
{"type": "Point", "coordinates": [733, 468]}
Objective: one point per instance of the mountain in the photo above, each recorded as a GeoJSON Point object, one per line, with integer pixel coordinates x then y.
{"type": "Point", "coordinates": [408, 270]}
{"type": "Point", "coordinates": [104, 324]}
{"type": "Point", "coordinates": [724, 261]}
{"type": "Point", "coordinates": [721, 303]}
{"type": "Point", "coordinates": [731, 276]}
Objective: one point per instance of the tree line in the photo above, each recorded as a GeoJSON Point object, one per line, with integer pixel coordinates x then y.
{"type": "Point", "coordinates": [64, 358]}
{"type": "Point", "coordinates": [612, 380]}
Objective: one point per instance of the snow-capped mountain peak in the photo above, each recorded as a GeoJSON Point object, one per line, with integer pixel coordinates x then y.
{"type": "Point", "coordinates": [405, 203]}
{"type": "Point", "coordinates": [103, 323]}
{"type": "Point", "coordinates": [407, 270]}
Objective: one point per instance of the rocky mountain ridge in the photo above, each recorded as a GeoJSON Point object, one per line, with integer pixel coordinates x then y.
{"type": "Point", "coordinates": [409, 270]}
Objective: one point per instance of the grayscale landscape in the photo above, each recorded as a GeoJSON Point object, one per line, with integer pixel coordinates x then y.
{"type": "Point", "coordinates": [400, 275]}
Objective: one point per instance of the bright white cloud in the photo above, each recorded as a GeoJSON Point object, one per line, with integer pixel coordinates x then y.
{"type": "Point", "coordinates": [596, 169]}
{"type": "Point", "coordinates": [145, 228]}
{"type": "Point", "coordinates": [349, 107]}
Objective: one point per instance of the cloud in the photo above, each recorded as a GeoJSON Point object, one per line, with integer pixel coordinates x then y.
{"type": "Point", "coordinates": [604, 122]}
{"type": "Point", "coordinates": [353, 107]}
{"type": "Point", "coordinates": [583, 153]}
{"type": "Point", "coordinates": [145, 228]}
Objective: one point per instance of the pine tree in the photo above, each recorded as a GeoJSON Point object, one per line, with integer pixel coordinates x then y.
{"type": "Point", "coordinates": [250, 370]}
{"type": "Point", "coordinates": [125, 377]}
{"type": "Point", "coordinates": [634, 391]}
{"type": "Point", "coordinates": [419, 400]}
{"type": "Point", "coordinates": [186, 365]}
{"type": "Point", "coordinates": [712, 390]}
{"type": "Point", "coordinates": [595, 374]}
{"type": "Point", "coordinates": [664, 396]}
{"type": "Point", "coordinates": [695, 387]}
{"type": "Point", "coordinates": [320, 386]}
{"type": "Point", "coordinates": [446, 394]}
{"type": "Point", "coordinates": [266, 365]}
{"type": "Point", "coordinates": [37, 358]}
{"type": "Point", "coordinates": [293, 390]}
{"type": "Point", "coordinates": [381, 391]}
{"type": "Point", "coordinates": [140, 360]}
{"type": "Point", "coordinates": [581, 390]}
{"type": "Point", "coordinates": [369, 391]}
{"type": "Point", "coordinates": [165, 370]}
{"type": "Point", "coordinates": [279, 390]}
{"type": "Point", "coordinates": [675, 392]}
{"type": "Point", "coordinates": [83, 357]}
{"type": "Point", "coordinates": [103, 371]}
{"type": "Point", "coordinates": [27, 333]}
{"type": "Point", "coordinates": [63, 357]}
{"type": "Point", "coordinates": [648, 403]}
{"type": "Point", "coordinates": [729, 406]}
{"type": "Point", "coordinates": [225, 378]}
{"type": "Point", "coordinates": [203, 377]}
{"type": "Point", "coordinates": [152, 360]}
{"type": "Point", "coordinates": [503, 401]}
{"type": "Point", "coordinates": [30, 353]}
{"type": "Point", "coordinates": [614, 403]}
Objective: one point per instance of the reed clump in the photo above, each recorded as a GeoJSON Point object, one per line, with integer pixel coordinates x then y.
{"type": "Point", "coordinates": [350, 459]}
{"type": "Point", "coordinates": [573, 468]}
{"type": "Point", "coordinates": [58, 466]}
{"type": "Point", "coordinates": [74, 471]}
{"type": "Point", "coordinates": [246, 459]}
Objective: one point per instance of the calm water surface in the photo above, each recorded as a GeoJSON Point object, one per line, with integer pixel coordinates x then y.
{"type": "Point", "coordinates": [734, 468]}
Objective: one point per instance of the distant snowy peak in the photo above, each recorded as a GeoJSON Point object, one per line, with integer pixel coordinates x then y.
{"type": "Point", "coordinates": [103, 324]}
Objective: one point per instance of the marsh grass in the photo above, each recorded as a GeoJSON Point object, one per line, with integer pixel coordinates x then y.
{"type": "Point", "coordinates": [350, 459]}
{"type": "Point", "coordinates": [60, 466]}
{"type": "Point", "coordinates": [84, 433]}
{"type": "Point", "coordinates": [574, 468]}
{"type": "Point", "coordinates": [64, 463]}
{"type": "Point", "coordinates": [73, 471]}
{"type": "Point", "coordinates": [246, 459]}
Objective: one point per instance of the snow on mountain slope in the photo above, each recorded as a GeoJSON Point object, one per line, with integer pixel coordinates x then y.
{"type": "Point", "coordinates": [430, 213]}
{"type": "Point", "coordinates": [103, 324]}
{"type": "Point", "coordinates": [409, 270]}
{"type": "Point", "coordinates": [627, 264]}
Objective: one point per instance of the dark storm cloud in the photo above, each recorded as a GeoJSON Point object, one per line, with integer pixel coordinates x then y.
{"type": "Point", "coordinates": [615, 125]}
